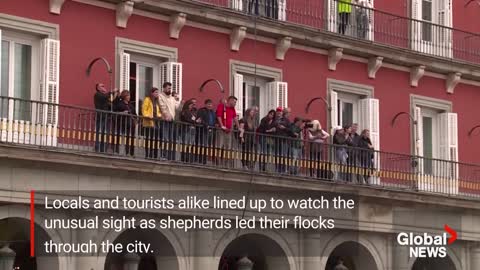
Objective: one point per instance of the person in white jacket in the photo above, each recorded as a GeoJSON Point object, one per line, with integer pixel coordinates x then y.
{"type": "Point", "coordinates": [168, 107]}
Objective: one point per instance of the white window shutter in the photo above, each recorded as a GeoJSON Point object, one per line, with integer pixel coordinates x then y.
{"type": "Point", "coordinates": [172, 72]}
{"type": "Point", "coordinates": [332, 15]}
{"type": "Point", "coordinates": [277, 95]}
{"type": "Point", "coordinates": [124, 71]}
{"type": "Point", "coordinates": [282, 94]}
{"type": "Point", "coordinates": [333, 110]}
{"type": "Point", "coordinates": [444, 35]}
{"type": "Point", "coordinates": [282, 10]}
{"type": "Point", "coordinates": [370, 119]}
{"type": "Point", "coordinates": [49, 89]}
{"type": "Point", "coordinates": [236, 4]}
{"type": "Point", "coordinates": [418, 132]}
{"type": "Point", "coordinates": [416, 25]}
{"type": "Point", "coordinates": [449, 139]}
{"type": "Point", "coordinates": [238, 93]}
{"type": "Point", "coordinates": [371, 20]}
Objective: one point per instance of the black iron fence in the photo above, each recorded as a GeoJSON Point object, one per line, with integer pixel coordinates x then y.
{"type": "Point", "coordinates": [80, 129]}
{"type": "Point", "coordinates": [365, 23]}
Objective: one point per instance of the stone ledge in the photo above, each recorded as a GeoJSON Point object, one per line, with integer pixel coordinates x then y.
{"type": "Point", "coordinates": [216, 176]}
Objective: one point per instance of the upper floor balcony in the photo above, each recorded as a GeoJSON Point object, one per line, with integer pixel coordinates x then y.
{"type": "Point", "coordinates": [428, 32]}
{"type": "Point", "coordinates": [293, 154]}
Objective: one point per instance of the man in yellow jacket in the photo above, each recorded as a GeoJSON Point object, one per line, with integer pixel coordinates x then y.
{"type": "Point", "coordinates": [344, 11]}
{"type": "Point", "coordinates": [151, 124]}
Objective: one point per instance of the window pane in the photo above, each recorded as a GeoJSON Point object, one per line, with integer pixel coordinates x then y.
{"type": "Point", "coordinates": [427, 16]}
{"type": "Point", "coordinates": [4, 77]}
{"type": "Point", "coordinates": [347, 113]}
{"type": "Point", "coordinates": [22, 81]}
{"type": "Point", "coordinates": [145, 82]}
{"type": "Point", "coordinates": [253, 98]}
{"type": "Point", "coordinates": [428, 144]}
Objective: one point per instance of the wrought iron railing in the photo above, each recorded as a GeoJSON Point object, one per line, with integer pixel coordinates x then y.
{"type": "Point", "coordinates": [364, 23]}
{"type": "Point", "coordinates": [40, 124]}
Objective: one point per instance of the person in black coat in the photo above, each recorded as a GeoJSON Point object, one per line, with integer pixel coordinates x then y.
{"type": "Point", "coordinates": [188, 117]}
{"type": "Point", "coordinates": [266, 130]}
{"type": "Point", "coordinates": [124, 121]}
{"type": "Point", "coordinates": [207, 119]}
{"type": "Point", "coordinates": [366, 154]}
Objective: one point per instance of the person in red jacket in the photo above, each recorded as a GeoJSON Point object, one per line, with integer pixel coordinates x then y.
{"type": "Point", "coordinates": [227, 119]}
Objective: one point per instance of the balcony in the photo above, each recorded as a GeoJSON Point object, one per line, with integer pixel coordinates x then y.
{"type": "Point", "coordinates": [82, 130]}
{"type": "Point", "coordinates": [365, 24]}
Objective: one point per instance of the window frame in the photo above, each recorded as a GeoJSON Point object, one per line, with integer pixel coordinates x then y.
{"type": "Point", "coordinates": [430, 104]}
{"type": "Point", "coordinates": [141, 50]}
{"type": "Point", "coordinates": [34, 42]}
{"type": "Point", "coordinates": [266, 73]}
{"type": "Point", "coordinates": [348, 88]}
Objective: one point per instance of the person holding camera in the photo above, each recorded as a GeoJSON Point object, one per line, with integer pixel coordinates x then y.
{"type": "Point", "coordinates": [102, 100]}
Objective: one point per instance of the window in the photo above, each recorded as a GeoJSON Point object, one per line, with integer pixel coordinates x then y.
{"type": "Point", "coordinates": [274, 9]}
{"type": "Point", "coordinates": [143, 75]}
{"type": "Point", "coordinates": [256, 85]}
{"type": "Point", "coordinates": [23, 56]}
{"type": "Point", "coordinates": [353, 103]}
{"type": "Point", "coordinates": [430, 28]}
{"type": "Point", "coordinates": [144, 65]}
{"type": "Point", "coordinates": [16, 73]}
{"type": "Point", "coordinates": [435, 139]}
{"type": "Point", "coordinates": [261, 92]}
{"type": "Point", "coordinates": [347, 109]}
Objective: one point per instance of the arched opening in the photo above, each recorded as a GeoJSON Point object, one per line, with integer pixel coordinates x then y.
{"type": "Point", "coordinates": [161, 254]}
{"type": "Point", "coordinates": [262, 251]}
{"type": "Point", "coordinates": [434, 264]}
{"type": "Point", "coordinates": [353, 256]}
{"type": "Point", "coordinates": [15, 232]}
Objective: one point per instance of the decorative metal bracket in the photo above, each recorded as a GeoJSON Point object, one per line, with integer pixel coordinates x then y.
{"type": "Point", "coordinates": [472, 130]}
{"type": "Point", "coordinates": [400, 113]}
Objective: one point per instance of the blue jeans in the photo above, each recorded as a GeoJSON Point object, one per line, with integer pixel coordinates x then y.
{"type": "Point", "coordinates": [102, 132]}
{"type": "Point", "coordinates": [169, 138]}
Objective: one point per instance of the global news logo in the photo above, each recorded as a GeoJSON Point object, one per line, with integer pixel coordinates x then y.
{"type": "Point", "coordinates": [426, 245]}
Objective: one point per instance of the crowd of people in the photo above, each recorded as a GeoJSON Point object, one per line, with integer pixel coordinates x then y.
{"type": "Point", "coordinates": [214, 133]}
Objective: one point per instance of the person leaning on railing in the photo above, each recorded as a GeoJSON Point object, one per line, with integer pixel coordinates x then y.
{"type": "Point", "coordinates": [188, 118]}
{"type": "Point", "coordinates": [206, 130]}
{"type": "Point", "coordinates": [296, 147]}
{"type": "Point", "coordinates": [316, 137]}
{"type": "Point", "coordinates": [151, 123]}
{"type": "Point", "coordinates": [247, 138]}
{"type": "Point", "coordinates": [168, 107]}
{"type": "Point", "coordinates": [103, 103]}
{"type": "Point", "coordinates": [125, 123]}
{"type": "Point", "coordinates": [344, 11]}
{"type": "Point", "coordinates": [227, 120]}
{"type": "Point", "coordinates": [341, 141]}
{"type": "Point", "coordinates": [266, 141]}
{"type": "Point", "coordinates": [366, 155]}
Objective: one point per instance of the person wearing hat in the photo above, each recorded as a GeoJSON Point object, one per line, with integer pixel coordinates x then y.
{"type": "Point", "coordinates": [151, 123]}
{"type": "Point", "coordinates": [316, 137]}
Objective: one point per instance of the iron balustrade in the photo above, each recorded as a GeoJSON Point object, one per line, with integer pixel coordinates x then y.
{"type": "Point", "coordinates": [364, 23]}
{"type": "Point", "coordinates": [47, 125]}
